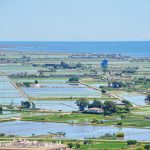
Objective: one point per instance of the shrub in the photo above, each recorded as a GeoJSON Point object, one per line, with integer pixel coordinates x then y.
{"type": "Point", "coordinates": [77, 145]}
{"type": "Point", "coordinates": [103, 91]}
{"type": "Point", "coordinates": [123, 116]}
{"type": "Point", "coordinates": [131, 142]}
{"type": "Point", "coordinates": [119, 123]}
{"type": "Point", "coordinates": [36, 81]}
{"type": "Point", "coordinates": [2, 134]}
{"type": "Point", "coordinates": [87, 142]}
{"type": "Point", "coordinates": [27, 84]}
{"type": "Point", "coordinates": [127, 103]}
{"type": "Point", "coordinates": [70, 145]}
{"type": "Point", "coordinates": [120, 134]}
{"type": "Point", "coordinates": [147, 147]}
{"type": "Point", "coordinates": [74, 79]}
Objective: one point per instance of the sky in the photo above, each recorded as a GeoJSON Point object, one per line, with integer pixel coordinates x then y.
{"type": "Point", "coordinates": [74, 20]}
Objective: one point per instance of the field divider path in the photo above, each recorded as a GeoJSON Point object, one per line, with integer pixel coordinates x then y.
{"type": "Point", "coordinates": [19, 89]}
{"type": "Point", "coordinates": [24, 95]}
{"type": "Point", "coordinates": [108, 93]}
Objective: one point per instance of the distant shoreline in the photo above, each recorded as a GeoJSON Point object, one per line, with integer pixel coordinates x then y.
{"type": "Point", "coordinates": [127, 48]}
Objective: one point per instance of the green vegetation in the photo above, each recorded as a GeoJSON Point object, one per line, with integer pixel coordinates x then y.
{"type": "Point", "coordinates": [74, 79]}
{"type": "Point", "coordinates": [130, 120]}
{"type": "Point", "coordinates": [95, 103]}
{"type": "Point", "coordinates": [147, 147]}
{"type": "Point", "coordinates": [1, 110]}
{"type": "Point", "coordinates": [131, 142]}
{"type": "Point", "coordinates": [36, 81]}
{"type": "Point", "coordinates": [27, 105]}
{"type": "Point", "coordinates": [82, 103]}
{"type": "Point", "coordinates": [127, 103]}
{"type": "Point", "coordinates": [120, 134]}
{"type": "Point", "coordinates": [109, 107]}
{"type": "Point", "coordinates": [123, 74]}
{"type": "Point", "coordinates": [148, 98]}
{"type": "Point", "coordinates": [104, 145]}
{"type": "Point", "coordinates": [27, 84]}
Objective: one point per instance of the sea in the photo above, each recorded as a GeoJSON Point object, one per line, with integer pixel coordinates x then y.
{"type": "Point", "coordinates": [128, 48]}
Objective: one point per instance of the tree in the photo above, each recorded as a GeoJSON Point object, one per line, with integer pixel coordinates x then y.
{"type": "Point", "coordinates": [117, 84]}
{"type": "Point", "coordinates": [33, 105]}
{"type": "Point", "coordinates": [103, 91]}
{"type": "Point", "coordinates": [109, 107]}
{"type": "Point", "coordinates": [74, 79]}
{"type": "Point", "coordinates": [131, 142]}
{"type": "Point", "coordinates": [147, 147]}
{"type": "Point", "coordinates": [27, 84]}
{"type": "Point", "coordinates": [77, 145]}
{"type": "Point", "coordinates": [70, 145]}
{"type": "Point", "coordinates": [147, 98]}
{"type": "Point", "coordinates": [82, 103]}
{"type": "Point", "coordinates": [2, 134]}
{"type": "Point", "coordinates": [36, 81]}
{"type": "Point", "coordinates": [1, 110]}
{"type": "Point", "coordinates": [127, 103]}
{"type": "Point", "coordinates": [95, 103]}
{"type": "Point", "coordinates": [64, 65]}
{"type": "Point", "coordinates": [78, 65]}
{"type": "Point", "coordinates": [119, 134]}
{"type": "Point", "coordinates": [27, 105]}
{"type": "Point", "coordinates": [119, 123]}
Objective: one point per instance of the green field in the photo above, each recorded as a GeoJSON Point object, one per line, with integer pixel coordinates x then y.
{"type": "Point", "coordinates": [129, 120]}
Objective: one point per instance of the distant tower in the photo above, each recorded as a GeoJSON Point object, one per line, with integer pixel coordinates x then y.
{"type": "Point", "coordinates": [104, 63]}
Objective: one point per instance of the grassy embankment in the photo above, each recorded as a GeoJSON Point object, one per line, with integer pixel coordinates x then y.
{"type": "Point", "coordinates": [130, 120]}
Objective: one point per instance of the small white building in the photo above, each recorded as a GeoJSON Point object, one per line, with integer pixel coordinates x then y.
{"type": "Point", "coordinates": [95, 110]}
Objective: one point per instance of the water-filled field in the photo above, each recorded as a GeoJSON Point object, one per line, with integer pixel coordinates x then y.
{"type": "Point", "coordinates": [61, 90]}
{"type": "Point", "coordinates": [8, 93]}
{"type": "Point", "coordinates": [25, 128]}
{"type": "Point", "coordinates": [57, 105]}
{"type": "Point", "coordinates": [11, 100]}
{"type": "Point", "coordinates": [137, 99]}
{"type": "Point", "coordinates": [17, 68]}
{"type": "Point", "coordinates": [9, 114]}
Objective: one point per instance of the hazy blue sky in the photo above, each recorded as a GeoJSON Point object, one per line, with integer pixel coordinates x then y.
{"type": "Point", "coordinates": [61, 20]}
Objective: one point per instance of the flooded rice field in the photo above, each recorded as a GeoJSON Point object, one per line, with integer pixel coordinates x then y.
{"type": "Point", "coordinates": [134, 98]}
{"type": "Point", "coordinates": [57, 105]}
{"type": "Point", "coordinates": [61, 90]}
{"type": "Point", "coordinates": [24, 128]}
{"type": "Point", "coordinates": [9, 93]}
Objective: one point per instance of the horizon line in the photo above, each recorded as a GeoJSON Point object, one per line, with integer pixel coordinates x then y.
{"type": "Point", "coordinates": [75, 41]}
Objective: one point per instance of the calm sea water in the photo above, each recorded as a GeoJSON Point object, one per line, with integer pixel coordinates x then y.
{"type": "Point", "coordinates": [136, 48]}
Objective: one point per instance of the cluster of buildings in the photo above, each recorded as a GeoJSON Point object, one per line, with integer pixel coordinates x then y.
{"type": "Point", "coordinates": [31, 145]}
{"type": "Point", "coordinates": [95, 55]}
